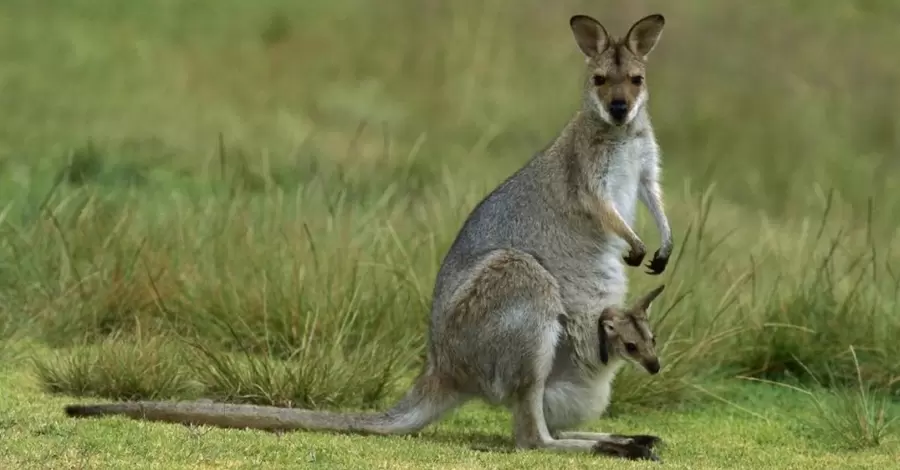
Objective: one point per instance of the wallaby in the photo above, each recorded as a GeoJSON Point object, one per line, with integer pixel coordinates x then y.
{"type": "Point", "coordinates": [526, 309]}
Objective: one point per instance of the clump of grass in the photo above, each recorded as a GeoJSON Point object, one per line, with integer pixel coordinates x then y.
{"type": "Point", "coordinates": [98, 275]}
{"type": "Point", "coordinates": [303, 355]}
{"type": "Point", "coordinates": [310, 325]}
{"type": "Point", "coordinates": [855, 417]}
{"type": "Point", "coordinates": [831, 294]}
{"type": "Point", "coordinates": [120, 368]}
{"type": "Point", "coordinates": [316, 377]}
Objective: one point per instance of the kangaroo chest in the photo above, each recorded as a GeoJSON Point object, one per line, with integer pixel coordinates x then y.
{"type": "Point", "coordinates": [595, 276]}
{"type": "Point", "coordinates": [619, 178]}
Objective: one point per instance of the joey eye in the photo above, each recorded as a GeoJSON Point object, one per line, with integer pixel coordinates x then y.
{"type": "Point", "coordinates": [637, 80]}
{"type": "Point", "coordinates": [631, 348]}
{"type": "Point", "coordinates": [599, 80]}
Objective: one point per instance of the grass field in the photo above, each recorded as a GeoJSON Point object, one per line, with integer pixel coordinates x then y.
{"type": "Point", "coordinates": [760, 427]}
{"type": "Point", "coordinates": [248, 201]}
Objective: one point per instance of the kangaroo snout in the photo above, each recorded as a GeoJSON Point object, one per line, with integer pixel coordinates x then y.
{"type": "Point", "coordinates": [652, 366]}
{"type": "Point", "coordinates": [618, 109]}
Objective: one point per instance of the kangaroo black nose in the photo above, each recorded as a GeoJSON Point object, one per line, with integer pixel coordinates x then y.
{"type": "Point", "coordinates": [618, 109]}
{"type": "Point", "coordinates": [652, 366]}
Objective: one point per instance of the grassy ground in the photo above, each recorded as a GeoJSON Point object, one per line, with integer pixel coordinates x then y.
{"type": "Point", "coordinates": [760, 426]}
{"type": "Point", "coordinates": [248, 201]}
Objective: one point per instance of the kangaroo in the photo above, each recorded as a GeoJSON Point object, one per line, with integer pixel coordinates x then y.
{"type": "Point", "coordinates": [502, 372]}
{"type": "Point", "coordinates": [526, 309]}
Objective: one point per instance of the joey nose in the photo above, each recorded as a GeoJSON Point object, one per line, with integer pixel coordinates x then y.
{"type": "Point", "coordinates": [618, 109]}
{"type": "Point", "coordinates": [652, 366]}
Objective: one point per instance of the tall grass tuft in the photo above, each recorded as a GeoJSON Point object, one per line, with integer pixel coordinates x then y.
{"type": "Point", "coordinates": [833, 293]}
{"type": "Point", "coordinates": [119, 368]}
{"type": "Point", "coordinates": [856, 417]}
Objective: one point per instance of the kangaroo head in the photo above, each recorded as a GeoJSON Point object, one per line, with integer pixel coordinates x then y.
{"type": "Point", "coordinates": [626, 333]}
{"type": "Point", "coordinates": [615, 84]}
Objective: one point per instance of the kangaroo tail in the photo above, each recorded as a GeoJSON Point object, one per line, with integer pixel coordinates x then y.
{"type": "Point", "coordinates": [425, 402]}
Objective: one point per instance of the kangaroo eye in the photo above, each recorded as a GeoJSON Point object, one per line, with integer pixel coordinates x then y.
{"type": "Point", "coordinates": [599, 80]}
{"type": "Point", "coordinates": [631, 347]}
{"type": "Point", "coordinates": [637, 80]}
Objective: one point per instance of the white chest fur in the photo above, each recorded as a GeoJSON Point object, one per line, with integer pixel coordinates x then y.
{"type": "Point", "coordinates": [621, 178]}
{"type": "Point", "coordinates": [571, 401]}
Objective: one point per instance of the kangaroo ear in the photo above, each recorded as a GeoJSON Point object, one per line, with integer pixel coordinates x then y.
{"type": "Point", "coordinates": [590, 35]}
{"type": "Point", "coordinates": [604, 326]}
{"type": "Point", "coordinates": [644, 34]}
{"type": "Point", "coordinates": [644, 302]}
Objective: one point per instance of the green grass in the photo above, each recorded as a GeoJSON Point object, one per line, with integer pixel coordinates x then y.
{"type": "Point", "coordinates": [757, 428]}
{"type": "Point", "coordinates": [249, 201]}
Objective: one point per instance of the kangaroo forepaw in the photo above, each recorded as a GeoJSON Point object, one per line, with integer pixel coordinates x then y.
{"type": "Point", "coordinates": [638, 447]}
{"type": "Point", "coordinates": [657, 265]}
{"type": "Point", "coordinates": [635, 257]}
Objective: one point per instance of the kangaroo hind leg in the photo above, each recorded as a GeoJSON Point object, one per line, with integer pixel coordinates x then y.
{"type": "Point", "coordinates": [531, 432]}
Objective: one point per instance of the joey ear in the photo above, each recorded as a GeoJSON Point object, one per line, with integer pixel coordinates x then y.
{"type": "Point", "coordinates": [604, 344]}
{"type": "Point", "coordinates": [604, 327]}
{"type": "Point", "coordinates": [590, 35]}
{"type": "Point", "coordinates": [644, 34]}
{"type": "Point", "coordinates": [644, 302]}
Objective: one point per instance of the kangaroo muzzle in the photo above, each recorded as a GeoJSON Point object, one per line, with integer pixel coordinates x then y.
{"type": "Point", "coordinates": [652, 366]}
{"type": "Point", "coordinates": [618, 110]}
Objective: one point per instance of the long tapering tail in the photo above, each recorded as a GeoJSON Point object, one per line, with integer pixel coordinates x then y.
{"type": "Point", "coordinates": [425, 402]}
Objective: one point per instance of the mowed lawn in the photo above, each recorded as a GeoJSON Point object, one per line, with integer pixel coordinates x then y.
{"type": "Point", "coordinates": [761, 426]}
{"type": "Point", "coordinates": [248, 201]}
